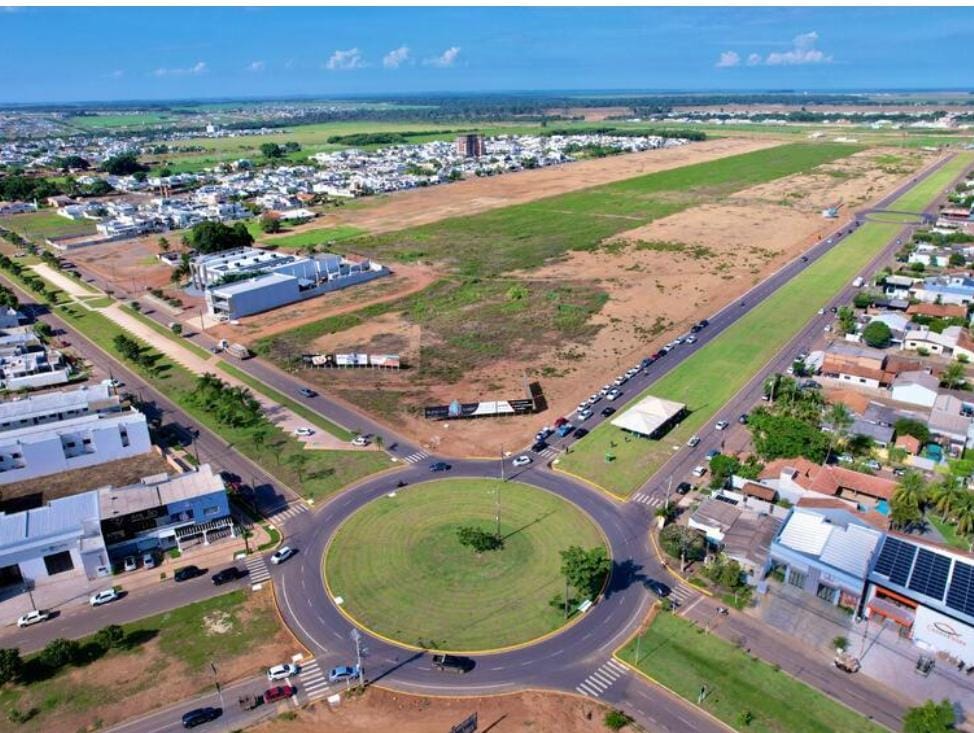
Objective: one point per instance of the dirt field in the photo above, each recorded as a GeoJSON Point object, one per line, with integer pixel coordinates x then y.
{"type": "Point", "coordinates": [131, 265]}
{"type": "Point", "coordinates": [379, 710]}
{"type": "Point", "coordinates": [590, 114]}
{"type": "Point", "coordinates": [660, 278]}
{"type": "Point", "coordinates": [426, 205]}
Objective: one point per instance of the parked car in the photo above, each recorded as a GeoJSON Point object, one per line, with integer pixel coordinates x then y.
{"type": "Point", "coordinates": [694, 441]}
{"type": "Point", "coordinates": [274, 694]}
{"type": "Point", "coordinates": [538, 446]}
{"type": "Point", "coordinates": [453, 663]}
{"type": "Point", "coordinates": [188, 572]}
{"type": "Point", "coordinates": [620, 380]}
{"type": "Point", "coordinates": [360, 441]}
{"type": "Point", "coordinates": [281, 672]}
{"type": "Point", "coordinates": [647, 362]}
{"type": "Point", "coordinates": [608, 411]}
{"type": "Point", "coordinates": [613, 394]}
{"type": "Point", "coordinates": [594, 398]}
{"type": "Point", "coordinates": [303, 432]}
{"type": "Point", "coordinates": [584, 414]}
{"type": "Point", "coordinates": [104, 596]}
{"type": "Point", "coordinates": [131, 563]}
{"type": "Point", "coordinates": [227, 575]}
{"type": "Point", "coordinates": [560, 421]}
{"type": "Point", "coordinates": [873, 464]}
{"type": "Point", "coordinates": [683, 488]}
{"type": "Point", "coordinates": [439, 466]}
{"type": "Point", "coordinates": [699, 471]}
{"type": "Point", "coordinates": [281, 555]}
{"type": "Point", "coordinates": [521, 461]}
{"type": "Point", "coordinates": [149, 560]}
{"type": "Point", "coordinates": [605, 390]}
{"type": "Point", "coordinates": [200, 715]}
{"type": "Point", "coordinates": [580, 433]}
{"type": "Point", "coordinates": [742, 419]}
{"type": "Point", "coordinates": [337, 674]}
{"type": "Point", "coordinates": [691, 339]}
{"type": "Point", "coordinates": [712, 454]}
{"type": "Point", "coordinates": [305, 392]}
{"type": "Point", "coordinates": [32, 617]}
{"type": "Point", "coordinates": [722, 425]}
{"type": "Point", "coordinates": [565, 429]}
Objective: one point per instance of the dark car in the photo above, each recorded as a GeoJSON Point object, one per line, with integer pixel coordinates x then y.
{"type": "Point", "coordinates": [188, 573]}
{"type": "Point", "coordinates": [607, 411]}
{"type": "Point", "coordinates": [647, 362]}
{"type": "Point", "coordinates": [200, 715]}
{"type": "Point", "coordinates": [305, 392]}
{"type": "Point", "coordinates": [279, 693]}
{"type": "Point", "coordinates": [453, 663]}
{"type": "Point", "coordinates": [659, 355]}
{"type": "Point", "coordinates": [683, 487]}
{"type": "Point", "coordinates": [804, 258]}
{"type": "Point", "coordinates": [660, 589]}
{"type": "Point", "coordinates": [696, 328]}
{"type": "Point", "coordinates": [580, 433]}
{"type": "Point", "coordinates": [440, 466]}
{"type": "Point", "coordinates": [742, 419]}
{"type": "Point", "coordinates": [538, 446]}
{"type": "Point", "coordinates": [227, 575]}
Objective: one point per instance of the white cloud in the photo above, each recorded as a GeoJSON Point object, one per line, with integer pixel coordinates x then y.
{"type": "Point", "coordinates": [396, 57]}
{"type": "Point", "coordinates": [753, 59]}
{"type": "Point", "coordinates": [447, 58]}
{"type": "Point", "coordinates": [195, 70]}
{"type": "Point", "coordinates": [256, 66]}
{"type": "Point", "coordinates": [344, 60]}
{"type": "Point", "coordinates": [728, 59]}
{"type": "Point", "coordinates": [803, 51]}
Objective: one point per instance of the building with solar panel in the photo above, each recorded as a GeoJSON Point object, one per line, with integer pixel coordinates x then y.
{"type": "Point", "coordinates": [926, 590]}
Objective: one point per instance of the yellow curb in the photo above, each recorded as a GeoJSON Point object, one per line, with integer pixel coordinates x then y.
{"type": "Point", "coordinates": [675, 694]}
{"type": "Point", "coordinates": [477, 652]}
{"type": "Point", "coordinates": [676, 575]}
{"type": "Point", "coordinates": [602, 489]}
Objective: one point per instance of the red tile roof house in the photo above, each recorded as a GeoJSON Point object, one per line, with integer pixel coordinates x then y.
{"type": "Point", "coordinates": [794, 478]}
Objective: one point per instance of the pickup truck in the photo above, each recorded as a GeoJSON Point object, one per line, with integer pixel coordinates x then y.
{"type": "Point", "coordinates": [565, 429]}
{"type": "Point", "coordinates": [453, 663]}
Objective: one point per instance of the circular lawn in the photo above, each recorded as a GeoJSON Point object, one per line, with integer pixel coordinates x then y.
{"type": "Point", "coordinates": [401, 571]}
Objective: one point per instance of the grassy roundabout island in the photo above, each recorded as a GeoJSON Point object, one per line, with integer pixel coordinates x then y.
{"type": "Point", "coordinates": [402, 571]}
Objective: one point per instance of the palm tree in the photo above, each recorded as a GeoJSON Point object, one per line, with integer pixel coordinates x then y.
{"type": "Point", "coordinates": [912, 489]}
{"type": "Point", "coordinates": [963, 515]}
{"type": "Point", "coordinates": [839, 417]}
{"type": "Point", "coordinates": [947, 496]}
{"type": "Point", "coordinates": [953, 375]}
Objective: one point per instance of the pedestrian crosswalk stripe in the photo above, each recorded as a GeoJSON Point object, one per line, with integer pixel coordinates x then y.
{"type": "Point", "coordinates": [416, 457]}
{"type": "Point", "coordinates": [647, 499]}
{"type": "Point", "coordinates": [618, 666]}
{"type": "Point", "coordinates": [257, 569]}
{"type": "Point", "coordinates": [601, 679]}
{"type": "Point", "coordinates": [313, 680]}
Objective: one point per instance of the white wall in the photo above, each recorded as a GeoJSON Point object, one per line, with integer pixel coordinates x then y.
{"type": "Point", "coordinates": [944, 634]}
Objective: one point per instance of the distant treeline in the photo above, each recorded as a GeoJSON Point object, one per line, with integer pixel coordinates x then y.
{"type": "Point", "coordinates": [386, 138]}
{"type": "Point", "coordinates": [696, 135]}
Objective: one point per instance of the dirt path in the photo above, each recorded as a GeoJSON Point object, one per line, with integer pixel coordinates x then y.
{"type": "Point", "coordinates": [68, 285]}
{"type": "Point", "coordinates": [426, 205]}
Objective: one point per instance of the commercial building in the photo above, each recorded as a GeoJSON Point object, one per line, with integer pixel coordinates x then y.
{"type": "Point", "coordinates": [61, 431]}
{"type": "Point", "coordinates": [85, 534]}
{"type": "Point", "coordinates": [470, 146]}
{"type": "Point", "coordinates": [245, 281]}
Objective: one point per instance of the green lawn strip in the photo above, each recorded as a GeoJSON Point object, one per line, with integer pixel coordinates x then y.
{"type": "Point", "coordinates": [317, 474]}
{"type": "Point", "coordinates": [296, 407]}
{"type": "Point", "coordinates": [421, 586]}
{"type": "Point", "coordinates": [185, 636]}
{"type": "Point", "coordinates": [712, 375]}
{"type": "Point", "coordinates": [682, 657]}
{"type": "Point", "coordinates": [167, 332]}
{"type": "Point", "coordinates": [528, 235]}
{"type": "Point", "coordinates": [949, 533]}
{"type": "Point", "coordinates": [324, 236]}
{"type": "Point", "coordinates": [39, 225]}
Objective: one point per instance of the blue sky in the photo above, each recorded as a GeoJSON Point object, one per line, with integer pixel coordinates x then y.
{"type": "Point", "coordinates": [71, 54]}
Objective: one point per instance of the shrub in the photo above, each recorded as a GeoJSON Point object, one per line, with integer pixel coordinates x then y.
{"type": "Point", "coordinates": [616, 720]}
{"type": "Point", "coordinates": [480, 540]}
{"type": "Point", "coordinates": [841, 643]}
{"type": "Point", "coordinates": [59, 653]}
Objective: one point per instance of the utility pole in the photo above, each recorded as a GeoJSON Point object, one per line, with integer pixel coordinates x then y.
{"type": "Point", "coordinates": [357, 638]}
{"type": "Point", "coordinates": [219, 690]}
{"type": "Point", "coordinates": [497, 498]}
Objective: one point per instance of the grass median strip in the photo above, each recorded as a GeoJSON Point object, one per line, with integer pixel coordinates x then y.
{"type": "Point", "coordinates": [294, 406]}
{"type": "Point", "coordinates": [740, 690]}
{"type": "Point", "coordinates": [711, 376]}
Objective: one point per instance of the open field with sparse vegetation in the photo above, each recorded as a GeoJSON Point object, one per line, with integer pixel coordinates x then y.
{"type": "Point", "coordinates": [39, 225]}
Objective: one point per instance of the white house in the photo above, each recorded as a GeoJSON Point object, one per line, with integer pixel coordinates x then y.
{"type": "Point", "coordinates": [916, 388]}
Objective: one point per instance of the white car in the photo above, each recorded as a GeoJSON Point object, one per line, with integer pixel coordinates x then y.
{"type": "Point", "coordinates": [304, 432]}
{"type": "Point", "coordinates": [722, 425]}
{"type": "Point", "coordinates": [104, 596]}
{"type": "Point", "coordinates": [281, 555]}
{"type": "Point", "coordinates": [583, 407]}
{"type": "Point", "coordinates": [521, 461]}
{"type": "Point", "coordinates": [111, 383]}
{"type": "Point", "coordinates": [694, 441]}
{"type": "Point", "coordinates": [613, 394]}
{"type": "Point", "coordinates": [699, 471]}
{"type": "Point", "coordinates": [131, 563]}
{"type": "Point", "coordinates": [691, 339]}
{"type": "Point", "coordinates": [585, 414]}
{"type": "Point", "coordinates": [360, 441]}
{"type": "Point", "coordinates": [281, 672]}
{"type": "Point", "coordinates": [605, 390]}
{"type": "Point", "coordinates": [594, 398]}
{"type": "Point", "coordinates": [621, 380]}
{"type": "Point", "coordinates": [632, 372]}
{"type": "Point", "coordinates": [32, 617]}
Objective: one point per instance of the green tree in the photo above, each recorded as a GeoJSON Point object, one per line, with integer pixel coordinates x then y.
{"type": "Point", "coordinates": [59, 653]}
{"type": "Point", "coordinates": [909, 497]}
{"type": "Point", "coordinates": [271, 150]}
{"type": "Point", "coordinates": [840, 420]}
{"type": "Point", "coordinates": [164, 244]}
{"type": "Point", "coordinates": [585, 570]}
{"type": "Point", "coordinates": [299, 464]}
{"type": "Point", "coordinates": [616, 720]}
{"type": "Point", "coordinates": [123, 164]}
{"type": "Point", "coordinates": [676, 540]}
{"type": "Point", "coordinates": [270, 224]}
{"type": "Point", "coordinates": [847, 319]}
{"type": "Point", "coordinates": [877, 334]}
{"type": "Point", "coordinates": [480, 540]}
{"type": "Point", "coordinates": [667, 511]}
{"type": "Point", "coordinates": [11, 665]}
{"type": "Point", "coordinates": [906, 426]}
{"type": "Point", "coordinates": [931, 717]}
{"type": "Point", "coordinates": [784, 436]}
{"type": "Point", "coordinates": [214, 236]}
{"type": "Point", "coordinates": [110, 637]}
{"type": "Point", "coordinates": [947, 496]}
{"type": "Point", "coordinates": [953, 375]}
{"type": "Point", "coordinates": [963, 515]}
{"type": "Point", "coordinates": [957, 259]}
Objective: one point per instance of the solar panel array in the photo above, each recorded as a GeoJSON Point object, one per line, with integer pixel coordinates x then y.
{"type": "Point", "coordinates": [960, 594]}
{"type": "Point", "coordinates": [895, 560]}
{"type": "Point", "coordinates": [930, 574]}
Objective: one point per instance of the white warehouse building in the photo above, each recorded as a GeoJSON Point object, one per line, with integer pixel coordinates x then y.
{"type": "Point", "coordinates": [62, 431]}
{"type": "Point", "coordinates": [245, 281]}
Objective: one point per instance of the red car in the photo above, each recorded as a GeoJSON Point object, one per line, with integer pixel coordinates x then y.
{"type": "Point", "coordinates": [279, 693]}
{"type": "Point", "coordinates": [560, 421]}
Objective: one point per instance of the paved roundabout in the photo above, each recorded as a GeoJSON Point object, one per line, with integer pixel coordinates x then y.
{"type": "Point", "coordinates": [552, 661]}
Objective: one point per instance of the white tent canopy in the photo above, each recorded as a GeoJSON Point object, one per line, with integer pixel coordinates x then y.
{"type": "Point", "coordinates": [648, 415]}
